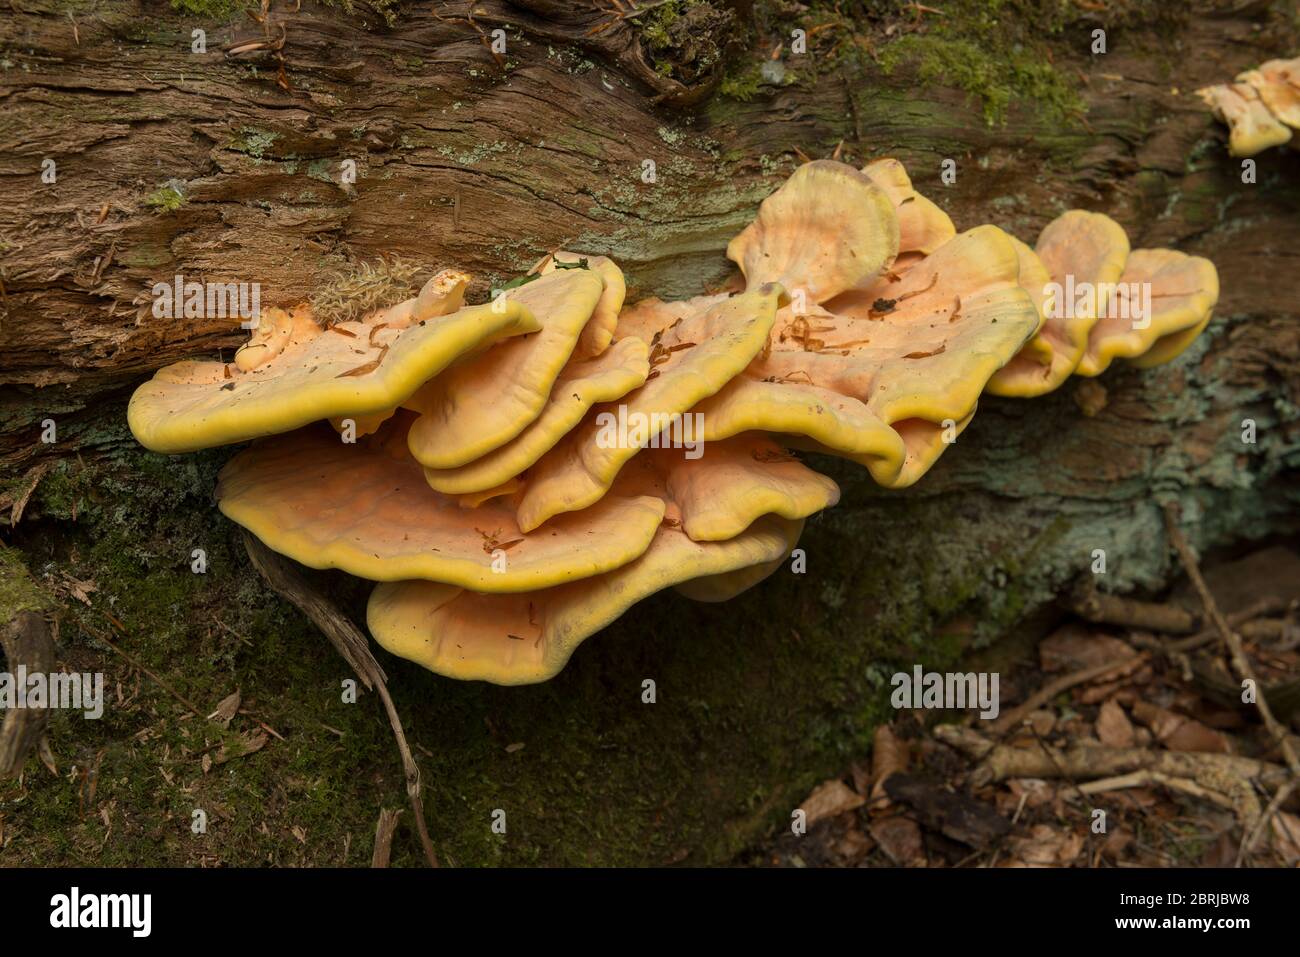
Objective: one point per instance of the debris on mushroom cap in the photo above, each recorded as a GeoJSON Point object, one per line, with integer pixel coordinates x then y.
{"type": "Point", "coordinates": [486, 400]}
{"type": "Point", "coordinates": [690, 360]}
{"type": "Point", "coordinates": [275, 332]}
{"type": "Point", "coordinates": [827, 229]}
{"type": "Point", "coordinates": [366, 509]}
{"type": "Point", "coordinates": [350, 369]}
{"type": "Point", "coordinates": [922, 226]}
{"type": "Point", "coordinates": [907, 349]}
{"type": "Point", "coordinates": [1161, 293]}
{"type": "Point", "coordinates": [1084, 255]}
{"type": "Point", "coordinates": [598, 333]}
{"type": "Point", "coordinates": [527, 638]}
{"type": "Point", "coordinates": [1252, 128]}
{"type": "Point", "coordinates": [582, 384]}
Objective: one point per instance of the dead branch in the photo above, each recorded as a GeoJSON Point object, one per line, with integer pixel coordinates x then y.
{"type": "Point", "coordinates": [1101, 608]}
{"type": "Point", "coordinates": [999, 762]}
{"type": "Point", "coordinates": [27, 642]}
{"type": "Point", "coordinates": [287, 579]}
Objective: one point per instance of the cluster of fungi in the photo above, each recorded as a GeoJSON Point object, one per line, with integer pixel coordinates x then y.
{"type": "Point", "coordinates": [1261, 107]}
{"type": "Point", "coordinates": [478, 484]}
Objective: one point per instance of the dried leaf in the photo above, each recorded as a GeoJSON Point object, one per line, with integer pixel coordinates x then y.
{"type": "Point", "coordinates": [829, 799]}
{"type": "Point", "coordinates": [1113, 726]}
{"type": "Point", "coordinates": [227, 709]}
{"type": "Point", "coordinates": [247, 744]}
{"type": "Point", "coordinates": [888, 756]}
{"type": "Point", "coordinates": [900, 838]}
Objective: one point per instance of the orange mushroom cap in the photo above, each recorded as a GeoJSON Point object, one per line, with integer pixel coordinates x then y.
{"type": "Point", "coordinates": [922, 226]}
{"type": "Point", "coordinates": [527, 638]}
{"type": "Point", "coordinates": [690, 360]}
{"type": "Point", "coordinates": [1162, 293]}
{"type": "Point", "coordinates": [876, 374]}
{"type": "Point", "coordinates": [1084, 255]}
{"type": "Point", "coordinates": [826, 230]}
{"type": "Point", "coordinates": [485, 401]}
{"type": "Point", "coordinates": [309, 373]}
{"type": "Point", "coordinates": [1252, 127]}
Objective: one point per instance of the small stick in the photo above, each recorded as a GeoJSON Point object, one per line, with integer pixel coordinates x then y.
{"type": "Point", "coordinates": [288, 581]}
{"type": "Point", "coordinates": [1242, 666]}
{"type": "Point", "coordinates": [1106, 609]}
{"type": "Point", "coordinates": [1260, 609]}
{"type": "Point", "coordinates": [384, 836]}
{"type": "Point", "coordinates": [1230, 638]}
{"type": "Point", "coordinates": [139, 666]}
{"type": "Point", "coordinates": [1050, 691]}
{"type": "Point", "coordinates": [1138, 779]}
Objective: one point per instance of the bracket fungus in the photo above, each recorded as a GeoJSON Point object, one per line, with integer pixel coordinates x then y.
{"type": "Point", "coordinates": [581, 385]}
{"type": "Point", "coordinates": [1083, 255]}
{"type": "Point", "coordinates": [305, 372]}
{"type": "Point", "coordinates": [488, 399]}
{"type": "Point", "coordinates": [526, 638]}
{"type": "Point", "coordinates": [690, 360]}
{"type": "Point", "coordinates": [1261, 107]}
{"type": "Point", "coordinates": [876, 373]}
{"type": "Point", "coordinates": [530, 468]}
{"type": "Point", "coordinates": [1177, 295]}
{"type": "Point", "coordinates": [827, 229]}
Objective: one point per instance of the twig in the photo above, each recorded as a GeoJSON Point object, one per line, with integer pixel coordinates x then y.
{"type": "Point", "coordinates": [384, 829]}
{"type": "Point", "coordinates": [1260, 609]}
{"type": "Point", "coordinates": [1239, 661]}
{"type": "Point", "coordinates": [1248, 845]}
{"type": "Point", "coordinates": [139, 666]}
{"type": "Point", "coordinates": [1050, 691]}
{"type": "Point", "coordinates": [1000, 762]}
{"type": "Point", "coordinates": [288, 581]}
{"type": "Point", "coordinates": [1139, 779]}
{"type": "Point", "coordinates": [1106, 609]}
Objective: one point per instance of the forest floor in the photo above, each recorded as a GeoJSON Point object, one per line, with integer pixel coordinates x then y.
{"type": "Point", "coordinates": [1117, 746]}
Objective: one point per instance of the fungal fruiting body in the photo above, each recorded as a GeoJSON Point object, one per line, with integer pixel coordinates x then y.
{"type": "Point", "coordinates": [1261, 107]}
{"type": "Point", "coordinates": [516, 474]}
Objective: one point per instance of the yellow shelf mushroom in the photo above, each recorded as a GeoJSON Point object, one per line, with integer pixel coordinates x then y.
{"type": "Point", "coordinates": [366, 509]}
{"type": "Point", "coordinates": [486, 400]}
{"type": "Point", "coordinates": [689, 361]}
{"type": "Point", "coordinates": [530, 468]}
{"type": "Point", "coordinates": [880, 373]}
{"type": "Point", "coordinates": [1261, 108]}
{"type": "Point", "coordinates": [527, 638]}
{"type": "Point", "coordinates": [303, 373]}
{"type": "Point", "coordinates": [1083, 255]}
{"type": "Point", "coordinates": [1162, 293]}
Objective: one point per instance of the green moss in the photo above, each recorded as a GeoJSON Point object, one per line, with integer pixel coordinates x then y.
{"type": "Point", "coordinates": [17, 590]}
{"type": "Point", "coordinates": [165, 199]}
{"type": "Point", "coordinates": [212, 9]}
{"type": "Point", "coordinates": [385, 9]}
{"type": "Point", "coordinates": [996, 80]}
{"type": "Point", "coordinates": [741, 82]}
